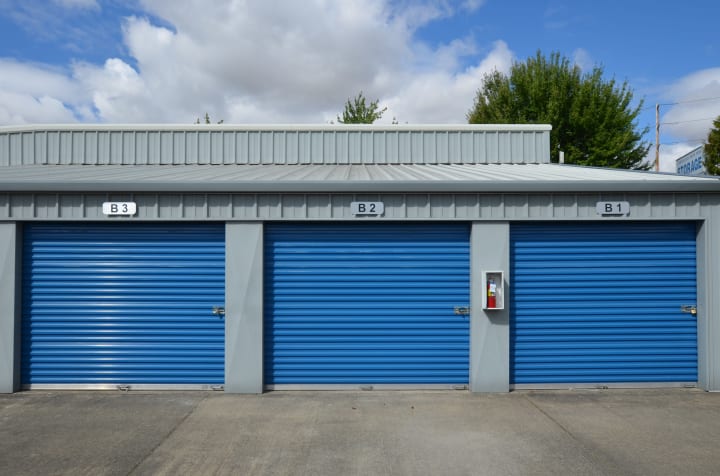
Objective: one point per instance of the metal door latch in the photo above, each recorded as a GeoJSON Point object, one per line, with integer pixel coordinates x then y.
{"type": "Point", "coordinates": [689, 309]}
{"type": "Point", "coordinates": [462, 310]}
{"type": "Point", "coordinates": [218, 311]}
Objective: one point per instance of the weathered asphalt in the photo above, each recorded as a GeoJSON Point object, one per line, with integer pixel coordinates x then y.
{"type": "Point", "coordinates": [613, 432]}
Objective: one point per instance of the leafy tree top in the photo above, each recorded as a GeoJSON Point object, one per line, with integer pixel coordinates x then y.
{"type": "Point", "coordinates": [712, 149]}
{"type": "Point", "coordinates": [592, 118]}
{"type": "Point", "coordinates": [357, 111]}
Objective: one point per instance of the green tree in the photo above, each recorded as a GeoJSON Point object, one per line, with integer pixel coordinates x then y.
{"type": "Point", "coordinates": [592, 119]}
{"type": "Point", "coordinates": [358, 111]}
{"type": "Point", "coordinates": [207, 120]}
{"type": "Point", "coordinates": [712, 149]}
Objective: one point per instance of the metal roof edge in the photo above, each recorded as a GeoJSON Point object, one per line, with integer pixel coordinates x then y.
{"type": "Point", "coordinates": [365, 187]}
{"type": "Point", "coordinates": [84, 127]}
{"type": "Point", "coordinates": [627, 171]}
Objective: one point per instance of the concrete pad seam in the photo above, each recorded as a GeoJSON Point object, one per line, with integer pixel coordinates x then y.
{"type": "Point", "coordinates": [551, 418]}
{"type": "Point", "coordinates": [168, 435]}
{"type": "Point", "coordinates": [592, 454]}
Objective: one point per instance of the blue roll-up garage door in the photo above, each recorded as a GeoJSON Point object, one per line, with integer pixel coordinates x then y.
{"type": "Point", "coordinates": [600, 303]}
{"type": "Point", "coordinates": [123, 304]}
{"type": "Point", "coordinates": [366, 304]}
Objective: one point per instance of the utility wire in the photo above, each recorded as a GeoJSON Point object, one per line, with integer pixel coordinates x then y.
{"type": "Point", "coordinates": [681, 102]}
{"type": "Point", "coordinates": [682, 141]}
{"type": "Point", "coordinates": [689, 120]}
{"type": "Point", "coordinates": [692, 100]}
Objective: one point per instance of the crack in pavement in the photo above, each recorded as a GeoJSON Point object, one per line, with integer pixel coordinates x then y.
{"type": "Point", "coordinates": [168, 435]}
{"type": "Point", "coordinates": [604, 462]}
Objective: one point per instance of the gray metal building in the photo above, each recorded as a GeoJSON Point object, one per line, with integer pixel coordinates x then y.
{"type": "Point", "coordinates": [252, 257]}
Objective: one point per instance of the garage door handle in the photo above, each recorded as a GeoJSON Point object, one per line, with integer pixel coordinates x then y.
{"type": "Point", "coordinates": [219, 311]}
{"type": "Point", "coordinates": [690, 309]}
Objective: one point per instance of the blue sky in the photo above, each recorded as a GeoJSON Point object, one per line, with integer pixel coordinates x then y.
{"type": "Point", "coordinates": [284, 61]}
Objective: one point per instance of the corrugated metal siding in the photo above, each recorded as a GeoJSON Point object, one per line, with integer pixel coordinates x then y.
{"type": "Point", "coordinates": [366, 303]}
{"type": "Point", "coordinates": [123, 304]}
{"type": "Point", "coordinates": [223, 145]}
{"type": "Point", "coordinates": [336, 206]}
{"type": "Point", "coordinates": [600, 303]}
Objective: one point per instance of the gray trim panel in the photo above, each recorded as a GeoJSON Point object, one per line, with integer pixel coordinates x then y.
{"type": "Point", "coordinates": [329, 206]}
{"type": "Point", "coordinates": [244, 269]}
{"type": "Point", "coordinates": [10, 309]}
{"type": "Point", "coordinates": [489, 330]}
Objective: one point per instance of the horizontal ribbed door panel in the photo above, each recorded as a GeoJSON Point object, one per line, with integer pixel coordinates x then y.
{"type": "Point", "coordinates": [123, 304]}
{"type": "Point", "coordinates": [366, 304]}
{"type": "Point", "coordinates": [600, 303]}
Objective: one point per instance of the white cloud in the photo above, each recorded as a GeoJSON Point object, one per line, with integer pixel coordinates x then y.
{"type": "Point", "coordinates": [442, 96]}
{"type": "Point", "coordinates": [698, 98]}
{"type": "Point", "coordinates": [256, 61]}
{"type": "Point", "coordinates": [18, 108]}
{"type": "Point", "coordinates": [252, 61]}
{"type": "Point", "coordinates": [583, 59]}
{"type": "Point", "coordinates": [296, 60]}
{"type": "Point", "coordinates": [686, 124]}
{"type": "Point", "coordinates": [36, 94]}
{"type": "Point", "coordinates": [670, 153]}
{"type": "Point", "coordinates": [118, 93]}
{"type": "Point", "coordinates": [36, 80]}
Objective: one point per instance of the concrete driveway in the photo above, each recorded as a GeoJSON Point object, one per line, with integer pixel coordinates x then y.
{"type": "Point", "coordinates": [366, 433]}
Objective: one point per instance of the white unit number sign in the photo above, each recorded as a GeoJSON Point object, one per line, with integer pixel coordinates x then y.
{"type": "Point", "coordinates": [119, 208]}
{"type": "Point", "coordinates": [367, 208]}
{"type": "Point", "coordinates": [612, 208]}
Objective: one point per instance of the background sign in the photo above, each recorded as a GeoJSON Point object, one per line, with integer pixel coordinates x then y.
{"type": "Point", "coordinates": [692, 163]}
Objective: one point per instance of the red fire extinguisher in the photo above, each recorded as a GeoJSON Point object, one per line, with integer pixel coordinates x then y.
{"type": "Point", "coordinates": [491, 294]}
